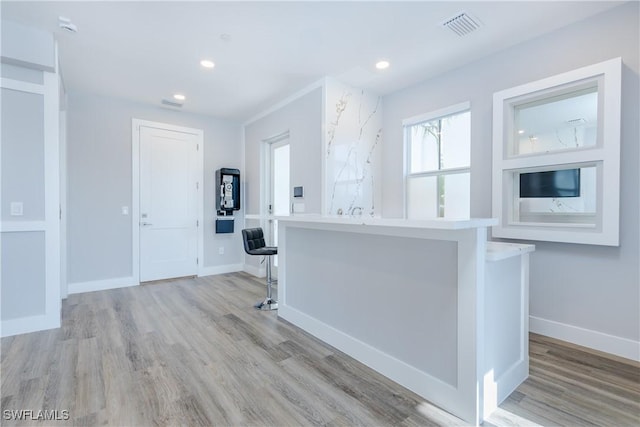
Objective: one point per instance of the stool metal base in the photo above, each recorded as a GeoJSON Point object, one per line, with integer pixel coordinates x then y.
{"type": "Point", "coordinates": [267, 304]}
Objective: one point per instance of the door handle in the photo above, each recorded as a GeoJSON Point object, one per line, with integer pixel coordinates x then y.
{"type": "Point", "coordinates": [144, 224]}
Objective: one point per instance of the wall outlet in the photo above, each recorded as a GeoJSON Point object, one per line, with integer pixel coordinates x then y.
{"type": "Point", "coordinates": [221, 250]}
{"type": "Point", "coordinates": [125, 210]}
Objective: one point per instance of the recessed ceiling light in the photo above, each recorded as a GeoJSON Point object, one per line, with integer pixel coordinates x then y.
{"type": "Point", "coordinates": [521, 131]}
{"type": "Point", "coordinates": [179, 97]}
{"type": "Point", "coordinates": [382, 65]}
{"type": "Point", "coordinates": [207, 63]}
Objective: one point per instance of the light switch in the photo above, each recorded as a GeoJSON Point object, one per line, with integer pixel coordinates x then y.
{"type": "Point", "coordinates": [16, 209]}
{"type": "Point", "coordinates": [125, 210]}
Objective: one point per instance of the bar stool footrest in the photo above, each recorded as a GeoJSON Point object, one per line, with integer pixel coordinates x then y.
{"type": "Point", "coordinates": [267, 304]}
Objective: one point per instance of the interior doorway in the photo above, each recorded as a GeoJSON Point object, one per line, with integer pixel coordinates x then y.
{"type": "Point", "coordinates": [278, 191]}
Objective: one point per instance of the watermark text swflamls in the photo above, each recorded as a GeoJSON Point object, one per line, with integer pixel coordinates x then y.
{"type": "Point", "coordinates": [35, 415]}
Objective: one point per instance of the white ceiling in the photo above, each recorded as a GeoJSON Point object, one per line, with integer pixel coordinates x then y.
{"type": "Point", "coordinates": [149, 50]}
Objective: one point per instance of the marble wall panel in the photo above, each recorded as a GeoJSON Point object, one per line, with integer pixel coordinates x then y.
{"type": "Point", "coordinates": [353, 126]}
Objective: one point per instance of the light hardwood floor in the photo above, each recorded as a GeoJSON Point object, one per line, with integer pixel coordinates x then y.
{"type": "Point", "coordinates": [195, 352]}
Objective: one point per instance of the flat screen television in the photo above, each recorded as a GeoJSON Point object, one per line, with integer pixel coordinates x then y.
{"type": "Point", "coordinates": [560, 183]}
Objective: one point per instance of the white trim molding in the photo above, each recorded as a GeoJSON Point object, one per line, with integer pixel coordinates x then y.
{"type": "Point", "coordinates": [220, 269]}
{"type": "Point", "coordinates": [23, 86]}
{"type": "Point", "coordinates": [52, 197]}
{"type": "Point", "coordinates": [595, 340]}
{"type": "Point", "coordinates": [438, 114]}
{"type": "Point", "coordinates": [286, 101]}
{"type": "Point", "coordinates": [101, 285]}
{"type": "Point", "coordinates": [22, 226]}
{"type": "Point", "coordinates": [25, 325]}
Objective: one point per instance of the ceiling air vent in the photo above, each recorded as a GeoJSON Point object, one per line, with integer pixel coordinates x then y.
{"type": "Point", "coordinates": [171, 103]}
{"type": "Point", "coordinates": [461, 24]}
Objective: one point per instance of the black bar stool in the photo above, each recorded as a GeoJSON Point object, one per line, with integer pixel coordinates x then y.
{"type": "Point", "coordinates": [254, 244]}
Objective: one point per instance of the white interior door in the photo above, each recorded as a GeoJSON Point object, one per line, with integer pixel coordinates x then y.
{"type": "Point", "coordinates": [169, 191]}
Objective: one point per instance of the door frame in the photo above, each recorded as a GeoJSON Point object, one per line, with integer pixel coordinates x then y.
{"type": "Point", "coordinates": [269, 145]}
{"type": "Point", "coordinates": [267, 179]}
{"type": "Point", "coordinates": [135, 189]}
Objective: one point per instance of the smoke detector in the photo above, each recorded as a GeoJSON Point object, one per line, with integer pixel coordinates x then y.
{"type": "Point", "coordinates": [66, 24]}
{"type": "Point", "coordinates": [461, 24]}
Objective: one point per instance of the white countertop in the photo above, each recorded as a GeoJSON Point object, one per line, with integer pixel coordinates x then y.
{"type": "Point", "coordinates": [437, 223]}
{"type": "Point", "coordinates": [495, 251]}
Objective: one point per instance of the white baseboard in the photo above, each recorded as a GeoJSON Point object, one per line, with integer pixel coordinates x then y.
{"type": "Point", "coordinates": [595, 340]}
{"type": "Point", "coordinates": [25, 325]}
{"type": "Point", "coordinates": [256, 271]}
{"type": "Point", "coordinates": [220, 269]}
{"type": "Point", "coordinates": [124, 282]}
{"type": "Point", "coordinates": [101, 285]}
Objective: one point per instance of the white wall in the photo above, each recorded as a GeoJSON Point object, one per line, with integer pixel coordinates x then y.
{"type": "Point", "coordinates": [27, 47]}
{"type": "Point", "coordinates": [302, 118]}
{"type": "Point", "coordinates": [99, 184]}
{"type": "Point", "coordinates": [586, 294]}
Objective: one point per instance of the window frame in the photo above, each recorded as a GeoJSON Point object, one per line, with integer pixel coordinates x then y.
{"type": "Point", "coordinates": [452, 110]}
{"type": "Point", "coordinates": [604, 156]}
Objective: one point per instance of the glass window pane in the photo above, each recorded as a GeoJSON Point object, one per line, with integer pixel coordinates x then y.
{"type": "Point", "coordinates": [424, 147]}
{"type": "Point", "coordinates": [456, 141]}
{"type": "Point", "coordinates": [422, 197]}
{"type": "Point", "coordinates": [562, 122]}
{"type": "Point", "coordinates": [563, 196]}
{"type": "Point", "coordinates": [439, 144]}
{"type": "Point", "coordinates": [457, 195]}
{"type": "Point", "coordinates": [281, 180]}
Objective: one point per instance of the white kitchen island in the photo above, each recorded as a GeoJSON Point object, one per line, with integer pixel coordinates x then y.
{"type": "Point", "coordinates": [430, 304]}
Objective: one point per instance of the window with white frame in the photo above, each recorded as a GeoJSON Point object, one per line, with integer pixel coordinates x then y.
{"type": "Point", "coordinates": [438, 148]}
{"type": "Point", "coordinates": [556, 157]}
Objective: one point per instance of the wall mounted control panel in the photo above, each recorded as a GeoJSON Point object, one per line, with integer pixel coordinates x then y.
{"type": "Point", "coordinates": [227, 191]}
